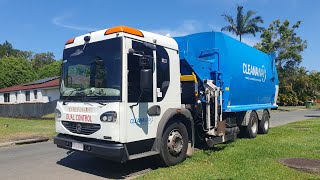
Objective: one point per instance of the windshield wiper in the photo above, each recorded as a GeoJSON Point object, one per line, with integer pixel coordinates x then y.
{"type": "Point", "coordinates": [101, 103]}
{"type": "Point", "coordinates": [67, 98]}
{"type": "Point", "coordinates": [86, 98]}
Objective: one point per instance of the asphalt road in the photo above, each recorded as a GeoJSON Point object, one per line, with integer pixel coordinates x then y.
{"type": "Point", "coordinates": [281, 118]}
{"type": "Point", "coordinates": [45, 161]}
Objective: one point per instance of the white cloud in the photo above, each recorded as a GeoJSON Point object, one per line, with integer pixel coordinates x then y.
{"type": "Point", "coordinates": [214, 27]}
{"type": "Point", "coordinates": [224, 2]}
{"type": "Point", "coordinates": [187, 27]}
{"type": "Point", "coordinates": [236, 1]}
{"type": "Point", "coordinates": [192, 26]}
{"type": "Point", "coordinates": [251, 41]}
{"type": "Point", "coordinates": [60, 21]}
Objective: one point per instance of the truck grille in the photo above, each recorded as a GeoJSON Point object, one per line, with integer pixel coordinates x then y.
{"type": "Point", "coordinates": [81, 128]}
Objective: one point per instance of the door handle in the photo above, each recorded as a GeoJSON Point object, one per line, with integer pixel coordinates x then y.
{"type": "Point", "coordinates": [154, 110]}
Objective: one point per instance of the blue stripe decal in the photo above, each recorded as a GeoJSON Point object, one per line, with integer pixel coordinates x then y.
{"type": "Point", "coordinates": [239, 108]}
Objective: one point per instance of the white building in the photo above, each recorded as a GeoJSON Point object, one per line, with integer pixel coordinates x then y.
{"type": "Point", "coordinates": [40, 91]}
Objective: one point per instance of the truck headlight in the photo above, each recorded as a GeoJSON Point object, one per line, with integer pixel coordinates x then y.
{"type": "Point", "coordinates": [110, 116]}
{"type": "Point", "coordinates": [57, 113]}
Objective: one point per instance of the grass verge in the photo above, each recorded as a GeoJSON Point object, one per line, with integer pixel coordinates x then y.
{"type": "Point", "coordinates": [49, 116]}
{"type": "Point", "coordinates": [251, 158]}
{"type": "Point", "coordinates": [15, 129]}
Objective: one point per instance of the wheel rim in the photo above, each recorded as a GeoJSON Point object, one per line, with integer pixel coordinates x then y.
{"type": "Point", "coordinates": [175, 142]}
{"type": "Point", "coordinates": [254, 126]}
{"type": "Point", "coordinates": [266, 124]}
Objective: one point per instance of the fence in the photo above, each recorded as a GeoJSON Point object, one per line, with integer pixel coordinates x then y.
{"type": "Point", "coordinates": [27, 110]}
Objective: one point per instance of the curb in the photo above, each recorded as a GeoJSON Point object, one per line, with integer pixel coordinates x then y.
{"type": "Point", "coordinates": [25, 141]}
{"type": "Point", "coordinates": [5, 144]}
{"type": "Point", "coordinates": [290, 110]}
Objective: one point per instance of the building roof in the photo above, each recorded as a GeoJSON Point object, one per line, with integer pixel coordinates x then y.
{"type": "Point", "coordinates": [39, 84]}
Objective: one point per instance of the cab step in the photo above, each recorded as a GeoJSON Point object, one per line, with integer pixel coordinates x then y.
{"type": "Point", "coordinates": [144, 154]}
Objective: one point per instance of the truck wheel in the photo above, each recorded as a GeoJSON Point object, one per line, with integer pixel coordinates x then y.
{"type": "Point", "coordinates": [264, 123]}
{"type": "Point", "coordinates": [252, 128]}
{"type": "Point", "coordinates": [174, 144]}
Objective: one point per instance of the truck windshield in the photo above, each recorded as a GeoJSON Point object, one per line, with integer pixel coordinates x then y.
{"type": "Point", "coordinates": [92, 72]}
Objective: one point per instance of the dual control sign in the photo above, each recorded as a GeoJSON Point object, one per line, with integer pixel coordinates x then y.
{"type": "Point", "coordinates": [78, 117]}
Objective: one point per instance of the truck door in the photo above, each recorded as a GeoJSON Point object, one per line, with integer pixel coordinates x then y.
{"type": "Point", "coordinates": [142, 125]}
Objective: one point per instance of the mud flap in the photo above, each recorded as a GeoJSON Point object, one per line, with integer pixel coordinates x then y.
{"type": "Point", "coordinates": [221, 139]}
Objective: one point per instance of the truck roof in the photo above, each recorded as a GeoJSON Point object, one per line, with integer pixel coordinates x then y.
{"type": "Point", "coordinates": [124, 31]}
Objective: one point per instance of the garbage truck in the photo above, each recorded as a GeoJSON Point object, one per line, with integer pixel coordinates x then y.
{"type": "Point", "coordinates": [128, 93]}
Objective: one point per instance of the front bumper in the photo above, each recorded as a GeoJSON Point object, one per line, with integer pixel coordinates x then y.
{"type": "Point", "coordinates": [109, 150]}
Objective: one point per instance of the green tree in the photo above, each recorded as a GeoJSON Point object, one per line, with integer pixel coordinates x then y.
{"type": "Point", "coordinates": [50, 70]}
{"type": "Point", "coordinates": [283, 39]}
{"type": "Point", "coordinates": [25, 54]}
{"type": "Point", "coordinates": [298, 85]}
{"type": "Point", "coordinates": [244, 23]}
{"type": "Point", "coordinates": [7, 50]}
{"type": "Point", "coordinates": [41, 59]}
{"type": "Point", "coordinates": [314, 84]}
{"type": "Point", "coordinates": [295, 83]}
{"type": "Point", "coordinates": [15, 71]}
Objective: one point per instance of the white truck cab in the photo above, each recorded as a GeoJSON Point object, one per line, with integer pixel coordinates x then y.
{"type": "Point", "coordinates": [128, 94]}
{"type": "Point", "coordinates": [120, 90]}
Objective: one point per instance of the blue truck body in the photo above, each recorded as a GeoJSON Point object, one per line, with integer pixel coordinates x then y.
{"type": "Point", "coordinates": [247, 76]}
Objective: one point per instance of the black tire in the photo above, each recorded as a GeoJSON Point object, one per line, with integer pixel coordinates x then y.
{"type": "Point", "coordinates": [264, 123]}
{"type": "Point", "coordinates": [251, 130]}
{"type": "Point", "coordinates": [168, 157]}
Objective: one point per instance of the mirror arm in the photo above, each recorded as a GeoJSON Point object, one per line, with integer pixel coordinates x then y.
{"type": "Point", "coordinates": [131, 107]}
{"type": "Point", "coordinates": [136, 54]}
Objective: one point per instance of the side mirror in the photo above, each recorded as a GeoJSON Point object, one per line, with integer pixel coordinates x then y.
{"type": "Point", "coordinates": [131, 51]}
{"type": "Point", "coordinates": [146, 80]}
{"type": "Point", "coordinates": [149, 45]}
{"type": "Point", "coordinates": [146, 62]}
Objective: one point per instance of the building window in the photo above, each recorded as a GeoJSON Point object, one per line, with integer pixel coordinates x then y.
{"type": "Point", "coordinates": [16, 93]}
{"type": "Point", "coordinates": [35, 93]}
{"type": "Point", "coordinates": [6, 97]}
{"type": "Point", "coordinates": [27, 95]}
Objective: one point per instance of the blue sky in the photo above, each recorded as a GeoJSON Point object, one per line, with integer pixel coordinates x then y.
{"type": "Point", "coordinates": [43, 26]}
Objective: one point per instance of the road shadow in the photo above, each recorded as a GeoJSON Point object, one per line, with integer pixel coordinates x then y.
{"type": "Point", "coordinates": [311, 116]}
{"type": "Point", "coordinates": [210, 150]}
{"type": "Point", "coordinates": [108, 169]}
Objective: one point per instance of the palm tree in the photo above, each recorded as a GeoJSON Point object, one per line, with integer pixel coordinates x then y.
{"type": "Point", "coordinates": [244, 24]}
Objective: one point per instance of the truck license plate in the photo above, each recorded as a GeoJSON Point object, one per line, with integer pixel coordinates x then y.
{"type": "Point", "coordinates": [77, 146]}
